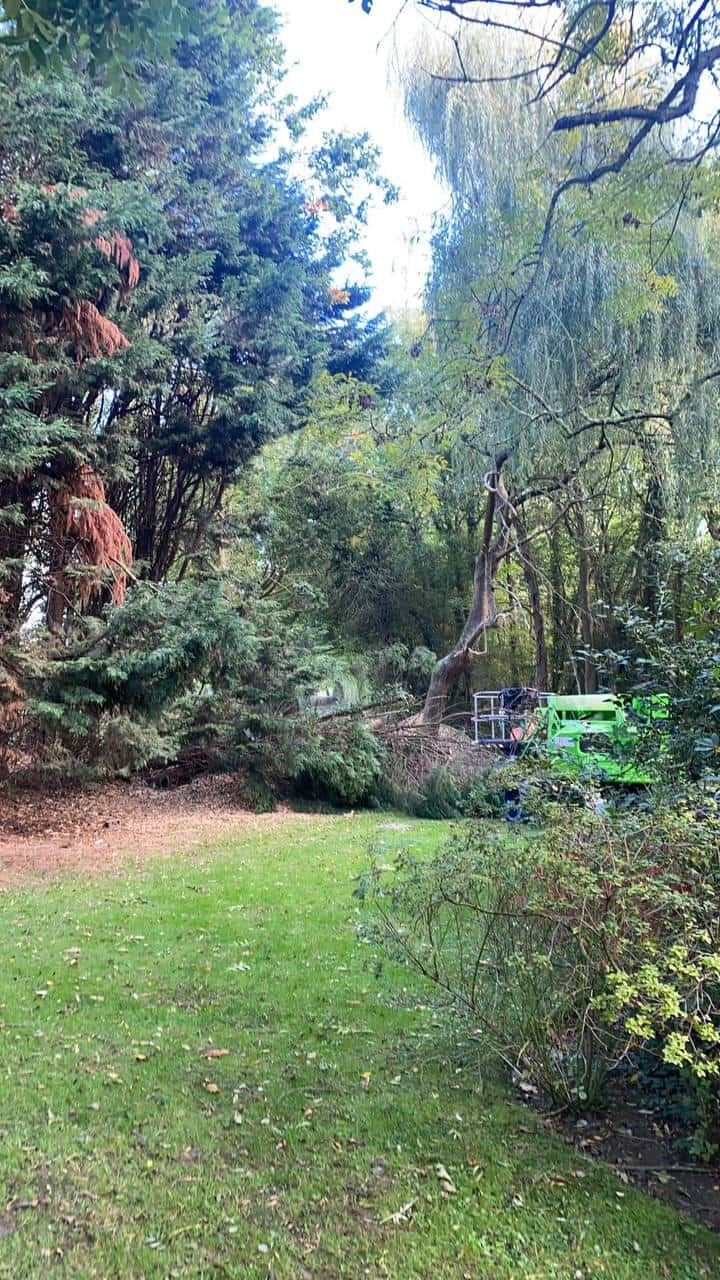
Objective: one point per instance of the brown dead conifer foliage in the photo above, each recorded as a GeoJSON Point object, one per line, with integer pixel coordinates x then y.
{"type": "Point", "coordinates": [120, 249]}
{"type": "Point", "coordinates": [12, 706]}
{"type": "Point", "coordinates": [11, 702]}
{"type": "Point", "coordinates": [117, 246]}
{"type": "Point", "coordinates": [92, 332]}
{"type": "Point", "coordinates": [81, 516]}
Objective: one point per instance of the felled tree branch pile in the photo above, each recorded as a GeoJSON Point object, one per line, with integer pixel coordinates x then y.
{"type": "Point", "coordinates": [413, 753]}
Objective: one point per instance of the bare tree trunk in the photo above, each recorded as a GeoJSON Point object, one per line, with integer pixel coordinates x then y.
{"type": "Point", "coordinates": [678, 587]}
{"type": "Point", "coordinates": [586, 618]}
{"type": "Point", "coordinates": [512, 664]}
{"type": "Point", "coordinates": [562, 644]}
{"type": "Point", "coordinates": [57, 600]}
{"type": "Point", "coordinates": [537, 617]}
{"type": "Point", "coordinates": [483, 610]}
{"type": "Point", "coordinates": [712, 520]}
{"type": "Point", "coordinates": [13, 543]}
{"type": "Point", "coordinates": [651, 533]}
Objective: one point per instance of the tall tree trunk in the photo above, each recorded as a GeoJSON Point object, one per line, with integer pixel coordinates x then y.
{"type": "Point", "coordinates": [651, 533]}
{"type": "Point", "coordinates": [537, 617]}
{"type": "Point", "coordinates": [59, 558]}
{"type": "Point", "coordinates": [512, 663]}
{"type": "Point", "coordinates": [678, 591]}
{"type": "Point", "coordinates": [483, 613]}
{"type": "Point", "coordinates": [14, 531]}
{"type": "Point", "coordinates": [586, 617]}
{"type": "Point", "coordinates": [561, 643]}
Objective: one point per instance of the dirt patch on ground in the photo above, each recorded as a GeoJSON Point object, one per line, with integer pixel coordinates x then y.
{"type": "Point", "coordinates": [641, 1147]}
{"type": "Point", "coordinates": [101, 827]}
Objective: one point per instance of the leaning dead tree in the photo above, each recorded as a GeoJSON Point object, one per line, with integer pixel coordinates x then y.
{"type": "Point", "coordinates": [504, 534]}
{"type": "Point", "coordinates": [484, 613]}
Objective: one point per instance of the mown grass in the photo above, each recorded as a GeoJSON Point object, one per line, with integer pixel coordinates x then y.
{"type": "Point", "coordinates": [127, 1151]}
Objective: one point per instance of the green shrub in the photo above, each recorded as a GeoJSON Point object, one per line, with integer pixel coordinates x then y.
{"type": "Point", "coordinates": [189, 665]}
{"type": "Point", "coordinates": [665, 983]}
{"type": "Point", "coordinates": [568, 950]}
{"type": "Point", "coordinates": [125, 745]}
{"type": "Point", "coordinates": [258, 796]}
{"type": "Point", "coordinates": [418, 670]}
{"type": "Point", "coordinates": [649, 660]}
{"type": "Point", "coordinates": [490, 793]}
{"type": "Point", "coordinates": [443, 794]}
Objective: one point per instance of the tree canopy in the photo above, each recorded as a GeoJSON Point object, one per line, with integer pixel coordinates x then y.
{"type": "Point", "coordinates": [49, 35]}
{"type": "Point", "coordinates": [193, 391]}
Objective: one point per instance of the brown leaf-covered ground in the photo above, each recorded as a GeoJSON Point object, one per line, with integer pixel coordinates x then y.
{"type": "Point", "coordinates": [633, 1138]}
{"type": "Point", "coordinates": [98, 828]}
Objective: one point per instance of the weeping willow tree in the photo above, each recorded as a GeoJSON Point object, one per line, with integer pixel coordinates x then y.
{"type": "Point", "coordinates": [584, 366]}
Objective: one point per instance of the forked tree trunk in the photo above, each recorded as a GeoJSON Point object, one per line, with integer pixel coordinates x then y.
{"type": "Point", "coordinates": [483, 613]}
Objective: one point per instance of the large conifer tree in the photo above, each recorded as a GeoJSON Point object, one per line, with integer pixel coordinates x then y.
{"type": "Point", "coordinates": [166, 297]}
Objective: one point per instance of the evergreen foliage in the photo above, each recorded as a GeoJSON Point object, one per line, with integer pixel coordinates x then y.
{"type": "Point", "coordinates": [168, 295]}
{"type": "Point", "coordinates": [174, 384]}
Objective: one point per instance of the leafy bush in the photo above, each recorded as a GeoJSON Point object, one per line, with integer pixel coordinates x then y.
{"type": "Point", "coordinates": [665, 983]}
{"type": "Point", "coordinates": [500, 793]}
{"type": "Point", "coordinates": [567, 953]}
{"type": "Point", "coordinates": [398, 670]}
{"type": "Point", "coordinates": [650, 660]}
{"type": "Point", "coordinates": [418, 670]}
{"type": "Point", "coordinates": [340, 761]}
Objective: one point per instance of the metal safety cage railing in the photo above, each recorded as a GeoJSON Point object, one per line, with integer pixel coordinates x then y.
{"type": "Point", "coordinates": [498, 723]}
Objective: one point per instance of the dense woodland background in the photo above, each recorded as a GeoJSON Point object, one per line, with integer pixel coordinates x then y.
{"type": "Point", "coordinates": [228, 484]}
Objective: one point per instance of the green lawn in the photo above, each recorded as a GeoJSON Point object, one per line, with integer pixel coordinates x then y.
{"type": "Point", "coordinates": [127, 1151]}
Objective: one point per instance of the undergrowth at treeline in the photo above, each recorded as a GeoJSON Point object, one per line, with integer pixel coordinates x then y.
{"type": "Point", "coordinates": [206, 1073]}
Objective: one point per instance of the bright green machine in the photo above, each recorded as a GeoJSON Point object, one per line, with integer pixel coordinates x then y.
{"type": "Point", "coordinates": [597, 733]}
{"type": "Point", "coordinates": [594, 734]}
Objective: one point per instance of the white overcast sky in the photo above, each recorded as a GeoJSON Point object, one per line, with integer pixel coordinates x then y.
{"type": "Point", "coordinates": [333, 48]}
